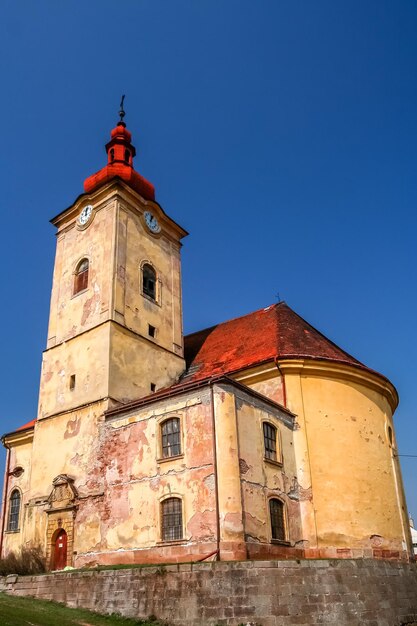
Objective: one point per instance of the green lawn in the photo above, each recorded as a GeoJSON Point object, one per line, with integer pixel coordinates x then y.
{"type": "Point", "coordinates": [17, 611]}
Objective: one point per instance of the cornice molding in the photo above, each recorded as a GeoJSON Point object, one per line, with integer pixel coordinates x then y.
{"type": "Point", "coordinates": [19, 438]}
{"type": "Point", "coordinates": [341, 371]}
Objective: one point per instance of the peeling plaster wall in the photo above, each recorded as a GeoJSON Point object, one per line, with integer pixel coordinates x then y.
{"type": "Point", "coordinates": [124, 524]}
{"type": "Point", "coordinates": [85, 356]}
{"type": "Point", "coordinates": [136, 246]}
{"type": "Point", "coordinates": [271, 388]}
{"type": "Point", "coordinates": [135, 363]}
{"type": "Point", "coordinates": [66, 444]}
{"type": "Point", "coordinates": [117, 244]}
{"type": "Point", "coordinates": [262, 478]}
{"type": "Point", "coordinates": [71, 315]}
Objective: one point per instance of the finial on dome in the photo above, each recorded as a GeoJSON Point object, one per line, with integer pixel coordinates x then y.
{"type": "Point", "coordinates": [122, 111]}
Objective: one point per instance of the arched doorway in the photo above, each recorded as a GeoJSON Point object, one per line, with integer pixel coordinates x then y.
{"type": "Point", "coordinates": [59, 549]}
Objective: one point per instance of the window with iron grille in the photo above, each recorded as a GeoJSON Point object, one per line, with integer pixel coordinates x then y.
{"type": "Point", "coordinates": [270, 441]}
{"type": "Point", "coordinates": [14, 510]}
{"type": "Point", "coordinates": [170, 436]}
{"type": "Point", "coordinates": [171, 519]}
{"type": "Point", "coordinates": [276, 512]}
{"type": "Point", "coordinates": [149, 281]}
{"type": "Point", "coordinates": [81, 276]}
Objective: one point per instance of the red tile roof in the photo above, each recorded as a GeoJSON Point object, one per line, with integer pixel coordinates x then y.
{"type": "Point", "coordinates": [274, 332]}
{"type": "Point", "coordinates": [26, 426]}
{"type": "Point", "coordinates": [30, 424]}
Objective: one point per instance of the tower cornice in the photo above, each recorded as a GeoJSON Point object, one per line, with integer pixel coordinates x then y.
{"type": "Point", "coordinates": [116, 188]}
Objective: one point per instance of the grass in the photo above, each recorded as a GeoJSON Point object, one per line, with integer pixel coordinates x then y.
{"type": "Point", "coordinates": [18, 611]}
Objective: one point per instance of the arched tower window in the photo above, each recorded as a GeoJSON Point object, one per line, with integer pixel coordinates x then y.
{"type": "Point", "coordinates": [111, 155]}
{"type": "Point", "coordinates": [170, 437]}
{"type": "Point", "coordinates": [127, 156]}
{"type": "Point", "coordinates": [171, 515]}
{"type": "Point", "coordinates": [14, 510]}
{"type": "Point", "coordinates": [149, 281]}
{"type": "Point", "coordinates": [81, 276]}
{"type": "Point", "coordinates": [276, 514]}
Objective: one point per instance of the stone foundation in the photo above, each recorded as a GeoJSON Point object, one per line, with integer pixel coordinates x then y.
{"type": "Point", "coordinates": [265, 593]}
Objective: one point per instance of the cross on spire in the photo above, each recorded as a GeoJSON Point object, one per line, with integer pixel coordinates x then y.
{"type": "Point", "coordinates": [122, 111]}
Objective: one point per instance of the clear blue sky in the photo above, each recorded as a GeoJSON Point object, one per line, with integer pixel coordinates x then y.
{"type": "Point", "coordinates": [281, 135]}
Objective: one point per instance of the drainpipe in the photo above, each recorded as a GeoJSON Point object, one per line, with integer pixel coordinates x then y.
{"type": "Point", "coordinates": [4, 499]}
{"type": "Point", "coordinates": [284, 387]}
{"type": "Point", "coordinates": [216, 480]}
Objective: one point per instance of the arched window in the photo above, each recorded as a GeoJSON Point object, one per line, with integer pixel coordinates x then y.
{"type": "Point", "coordinates": [14, 510]}
{"type": "Point", "coordinates": [170, 437]}
{"type": "Point", "coordinates": [81, 276]}
{"type": "Point", "coordinates": [149, 281]}
{"type": "Point", "coordinates": [171, 515]}
{"type": "Point", "coordinates": [390, 436]}
{"type": "Point", "coordinates": [270, 441]}
{"type": "Point", "coordinates": [276, 513]}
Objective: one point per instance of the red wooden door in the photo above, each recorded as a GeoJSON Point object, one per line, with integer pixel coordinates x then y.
{"type": "Point", "coordinates": [60, 554]}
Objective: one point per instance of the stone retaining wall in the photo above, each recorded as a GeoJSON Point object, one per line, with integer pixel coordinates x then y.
{"type": "Point", "coordinates": [265, 593]}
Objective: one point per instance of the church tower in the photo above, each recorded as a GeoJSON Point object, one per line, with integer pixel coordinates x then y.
{"type": "Point", "coordinates": [115, 326]}
{"type": "Point", "coordinates": [114, 335]}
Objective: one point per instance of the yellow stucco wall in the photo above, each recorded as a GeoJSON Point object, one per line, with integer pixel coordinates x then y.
{"type": "Point", "coordinates": [83, 338]}
{"type": "Point", "coordinates": [343, 417]}
{"type": "Point", "coordinates": [87, 357]}
{"type": "Point", "coordinates": [135, 362]}
{"type": "Point", "coordinates": [263, 478]}
{"type": "Point", "coordinates": [20, 455]}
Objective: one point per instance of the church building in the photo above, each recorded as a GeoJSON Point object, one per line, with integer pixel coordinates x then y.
{"type": "Point", "coordinates": [256, 438]}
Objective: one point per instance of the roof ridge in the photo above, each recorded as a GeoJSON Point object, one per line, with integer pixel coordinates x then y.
{"type": "Point", "coordinates": [239, 317]}
{"type": "Point", "coordinates": [327, 339]}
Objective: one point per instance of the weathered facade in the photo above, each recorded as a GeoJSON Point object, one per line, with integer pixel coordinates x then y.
{"type": "Point", "coordinates": [256, 438]}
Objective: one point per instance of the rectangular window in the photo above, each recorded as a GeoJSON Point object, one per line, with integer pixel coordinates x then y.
{"type": "Point", "coordinates": [276, 510]}
{"type": "Point", "coordinates": [171, 443]}
{"type": "Point", "coordinates": [270, 441]}
{"type": "Point", "coordinates": [171, 519]}
{"type": "Point", "coordinates": [151, 331]}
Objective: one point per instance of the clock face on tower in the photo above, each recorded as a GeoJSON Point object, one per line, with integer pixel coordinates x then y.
{"type": "Point", "coordinates": [151, 222]}
{"type": "Point", "coordinates": [85, 215]}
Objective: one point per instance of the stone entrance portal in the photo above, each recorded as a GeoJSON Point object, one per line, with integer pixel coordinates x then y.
{"type": "Point", "coordinates": [60, 528]}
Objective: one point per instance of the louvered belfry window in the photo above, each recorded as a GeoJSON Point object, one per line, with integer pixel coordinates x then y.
{"type": "Point", "coordinates": [171, 443]}
{"type": "Point", "coordinates": [149, 281]}
{"type": "Point", "coordinates": [171, 519]}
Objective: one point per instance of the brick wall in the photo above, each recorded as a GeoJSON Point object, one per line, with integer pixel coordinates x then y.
{"type": "Point", "coordinates": [265, 593]}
